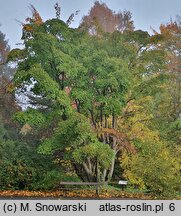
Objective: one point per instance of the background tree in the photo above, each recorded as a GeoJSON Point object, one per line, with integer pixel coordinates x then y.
{"type": "Point", "coordinates": [8, 104]}
{"type": "Point", "coordinates": [171, 43]}
{"type": "Point", "coordinates": [4, 50]}
{"type": "Point", "coordinates": [151, 122]}
{"type": "Point", "coordinates": [102, 18]}
{"type": "Point", "coordinates": [155, 166]}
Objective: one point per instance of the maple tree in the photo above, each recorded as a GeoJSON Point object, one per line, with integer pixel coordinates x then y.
{"type": "Point", "coordinates": [55, 67]}
{"type": "Point", "coordinates": [99, 102]}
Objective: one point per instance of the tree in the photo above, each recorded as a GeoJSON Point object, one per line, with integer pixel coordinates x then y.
{"type": "Point", "coordinates": [5, 70]}
{"type": "Point", "coordinates": [171, 34]}
{"type": "Point", "coordinates": [4, 49]}
{"type": "Point", "coordinates": [56, 58]}
{"type": "Point", "coordinates": [46, 64]}
{"type": "Point", "coordinates": [146, 118]}
{"type": "Point", "coordinates": [168, 111]}
{"type": "Point", "coordinates": [155, 166]}
{"type": "Point", "coordinates": [8, 103]}
{"type": "Point", "coordinates": [81, 86]}
{"type": "Point", "coordinates": [101, 18]}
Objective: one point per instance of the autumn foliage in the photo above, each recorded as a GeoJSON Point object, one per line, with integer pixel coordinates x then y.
{"type": "Point", "coordinates": [104, 19]}
{"type": "Point", "coordinates": [101, 103]}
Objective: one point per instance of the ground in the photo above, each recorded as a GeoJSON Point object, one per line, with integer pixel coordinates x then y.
{"type": "Point", "coordinates": [73, 194]}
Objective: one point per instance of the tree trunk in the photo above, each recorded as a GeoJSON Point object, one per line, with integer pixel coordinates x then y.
{"type": "Point", "coordinates": [113, 121]}
{"type": "Point", "coordinates": [110, 174]}
{"type": "Point", "coordinates": [104, 175]}
{"type": "Point", "coordinates": [79, 172]}
{"type": "Point", "coordinates": [88, 172]}
{"type": "Point", "coordinates": [97, 171]}
{"type": "Point", "coordinates": [92, 118]}
{"type": "Point", "coordinates": [101, 116]}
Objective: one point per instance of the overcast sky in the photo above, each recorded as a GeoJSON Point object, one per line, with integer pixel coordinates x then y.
{"type": "Point", "coordinates": [146, 13]}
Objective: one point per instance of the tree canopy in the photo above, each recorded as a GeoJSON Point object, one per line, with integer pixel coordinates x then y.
{"type": "Point", "coordinates": [104, 99]}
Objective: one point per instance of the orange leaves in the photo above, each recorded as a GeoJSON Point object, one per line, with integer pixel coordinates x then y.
{"type": "Point", "coordinates": [26, 193]}
{"type": "Point", "coordinates": [101, 18]}
{"type": "Point", "coordinates": [169, 28]}
{"type": "Point", "coordinates": [36, 19]}
{"type": "Point", "coordinates": [28, 28]}
{"type": "Point", "coordinates": [104, 193]}
{"type": "Point", "coordinates": [121, 139]}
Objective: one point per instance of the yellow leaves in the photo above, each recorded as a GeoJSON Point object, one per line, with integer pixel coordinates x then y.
{"type": "Point", "coordinates": [135, 120]}
{"type": "Point", "coordinates": [68, 149]}
{"type": "Point", "coordinates": [178, 150]}
{"type": "Point", "coordinates": [25, 129]}
{"type": "Point", "coordinates": [154, 165]}
{"type": "Point", "coordinates": [165, 154]}
{"type": "Point", "coordinates": [28, 28]}
{"type": "Point", "coordinates": [10, 88]}
{"type": "Point", "coordinates": [124, 159]}
{"type": "Point", "coordinates": [137, 110]}
{"type": "Point", "coordinates": [139, 131]}
{"type": "Point", "coordinates": [132, 107]}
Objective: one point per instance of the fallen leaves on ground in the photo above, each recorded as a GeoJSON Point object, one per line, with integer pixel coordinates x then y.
{"type": "Point", "coordinates": [73, 193]}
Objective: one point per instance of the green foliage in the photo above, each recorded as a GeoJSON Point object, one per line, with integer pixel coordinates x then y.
{"type": "Point", "coordinates": [73, 132]}
{"type": "Point", "coordinates": [16, 54]}
{"type": "Point", "coordinates": [141, 38]}
{"type": "Point", "coordinates": [75, 140]}
{"type": "Point", "coordinates": [176, 125]}
{"type": "Point", "coordinates": [31, 116]}
{"type": "Point", "coordinates": [51, 180]}
{"type": "Point", "coordinates": [21, 166]}
{"type": "Point", "coordinates": [2, 130]}
{"type": "Point", "coordinates": [99, 151]}
{"type": "Point", "coordinates": [44, 86]}
{"type": "Point", "coordinates": [15, 172]}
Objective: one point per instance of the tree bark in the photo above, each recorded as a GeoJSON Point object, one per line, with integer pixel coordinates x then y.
{"type": "Point", "coordinates": [88, 172]}
{"type": "Point", "coordinates": [110, 174]}
{"type": "Point", "coordinates": [92, 118]}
